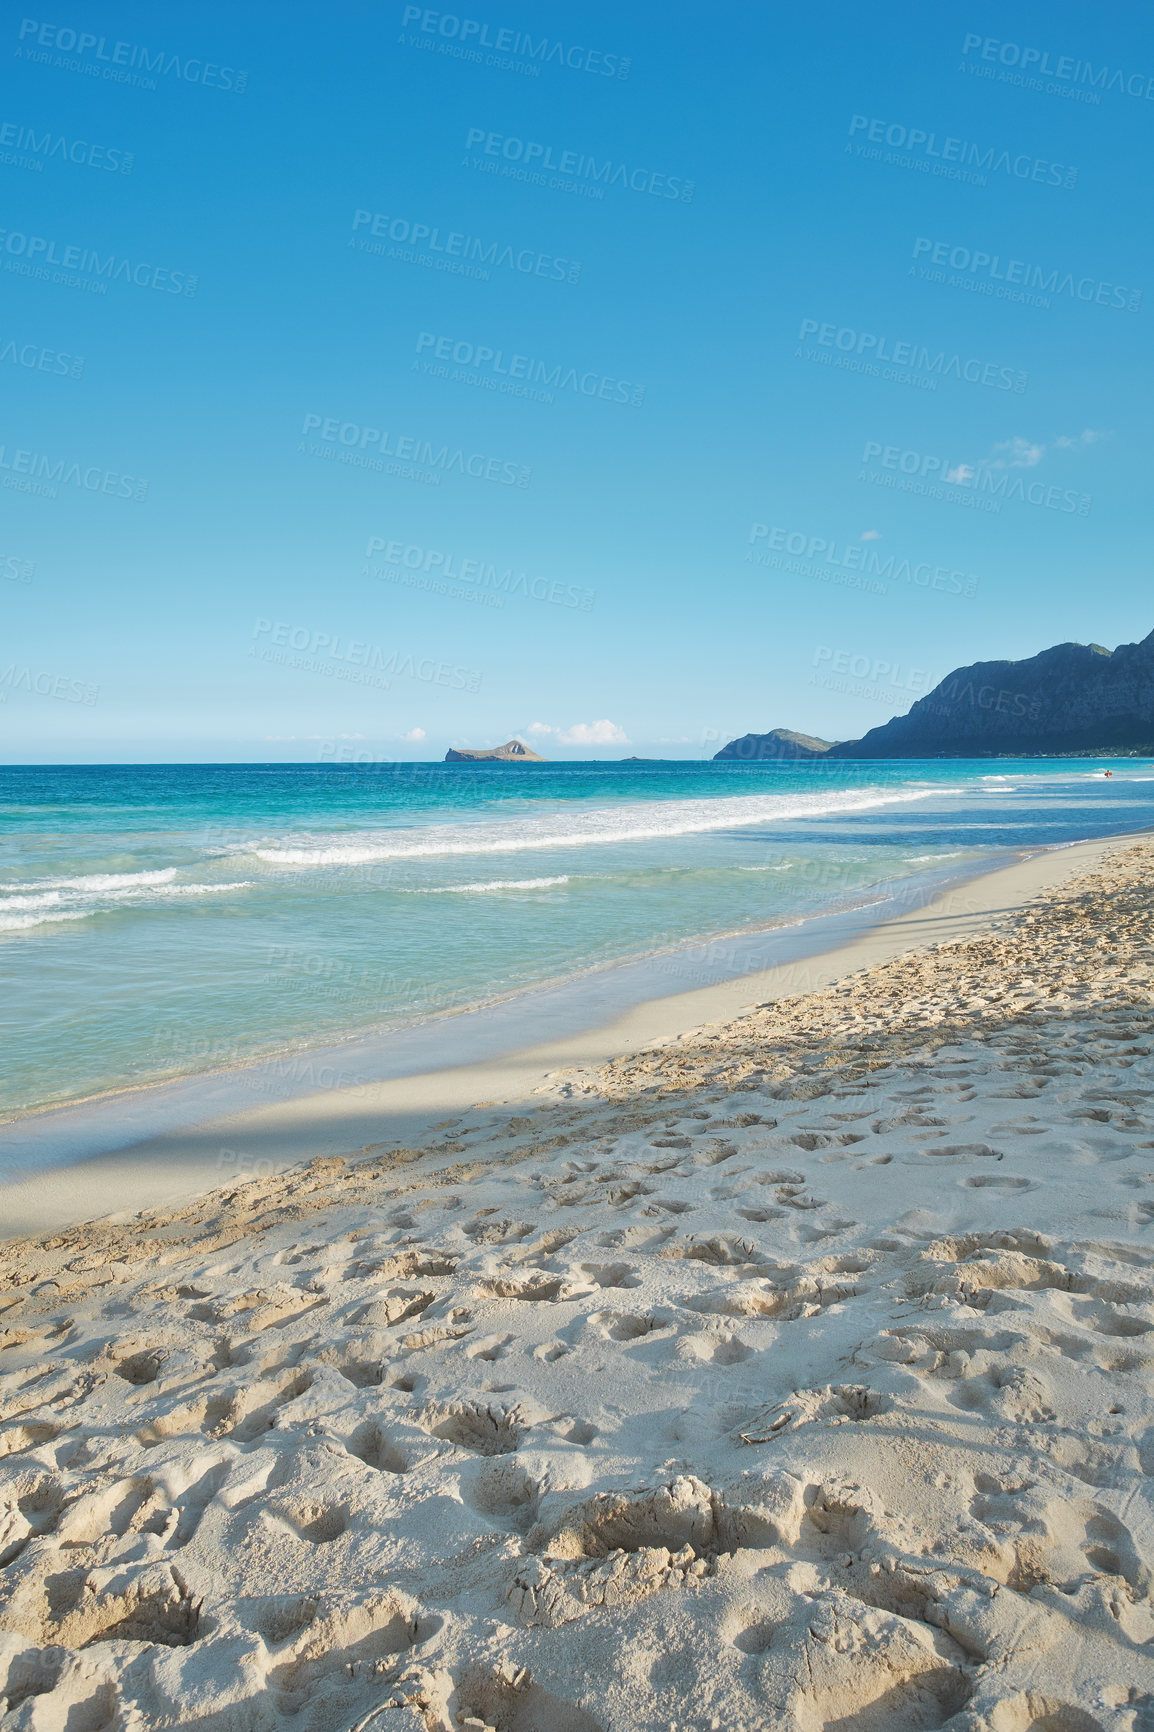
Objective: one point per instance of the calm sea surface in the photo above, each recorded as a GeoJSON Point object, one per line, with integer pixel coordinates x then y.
{"type": "Point", "coordinates": [162, 921]}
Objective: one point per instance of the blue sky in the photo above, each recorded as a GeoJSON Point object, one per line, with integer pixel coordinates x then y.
{"type": "Point", "coordinates": [840, 382]}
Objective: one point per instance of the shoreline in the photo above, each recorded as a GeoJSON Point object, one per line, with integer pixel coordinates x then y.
{"type": "Point", "coordinates": [674, 958]}
{"type": "Point", "coordinates": [799, 1361]}
{"type": "Point", "coordinates": [161, 1168]}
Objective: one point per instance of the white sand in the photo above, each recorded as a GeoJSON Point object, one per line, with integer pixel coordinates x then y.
{"type": "Point", "coordinates": [791, 1376]}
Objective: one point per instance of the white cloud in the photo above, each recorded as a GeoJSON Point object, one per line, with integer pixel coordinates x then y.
{"type": "Point", "coordinates": [1016, 453]}
{"type": "Point", "coordinates": [1088, 436]}
{"type": "Point", "coordinates": [414, 734]}
{"type": "Point", "coordinates": [603, 733]}
{"type": "Point", "coordinates": [1020, 453]}
{"type": "Point", "coordinates": [871, 535]}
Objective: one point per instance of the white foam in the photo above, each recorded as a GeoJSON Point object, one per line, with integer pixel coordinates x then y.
{"type": "Point", "coordinates": [96, 882]}
{"type": "Point", "coordinates": [495, 884]}
{"type": "Point", "coordinates": [627, 823]}
{"type": "Point", "coordinates": [49, 899]}
{"type": "Point", "coordinates": [21, 922]}
{"type": "Point", "coordinates": [186, 890]}
{"type": "Point", "coordinates": [17, 911]}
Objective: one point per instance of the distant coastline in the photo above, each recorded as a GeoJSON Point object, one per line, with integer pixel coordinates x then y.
{"type": "Point", "coordinates": [1071, 701]}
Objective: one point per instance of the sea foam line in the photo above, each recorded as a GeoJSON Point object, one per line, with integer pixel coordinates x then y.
{"type": "Point", "coordinates": [16, 915]}
{"type": "Point", "coordinates": [606, 825]}
{"type": "Point", "coordinates": [21, 922]}
{"type": "Point", "coordinates": [50, 899]}
{"type": "Point", "coordinates": [494, 884]}
{"type": "Point", "coordinates": [96, 883]}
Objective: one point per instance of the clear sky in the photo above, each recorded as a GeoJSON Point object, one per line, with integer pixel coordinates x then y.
{"type": "Point", "coordinates": [625, 378]}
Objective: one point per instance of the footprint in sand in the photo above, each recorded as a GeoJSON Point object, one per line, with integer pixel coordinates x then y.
{"type": "Point", "coordinates": [490, 1347]}
{"type": "Point", "coordinates": [474, 1426]}
{"type": "Point", "coordinates": [504, 1699]}
{"type": "Point", "coordinates": [371, 1443]}
{"type": "Point", "coordinates": [632, 1325]}
{"type": "Point", "coordinates": [611, 1274]}
{"type": "Point", "coordinates": [317, 1523]}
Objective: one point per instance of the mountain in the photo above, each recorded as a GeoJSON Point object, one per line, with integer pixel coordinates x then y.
{"type": "Point", "coordinates": [1072, 698]}
{"type": "Point", "coordinates": [779, 743]}
{"type": "Point", "coordinates": [512, 752]}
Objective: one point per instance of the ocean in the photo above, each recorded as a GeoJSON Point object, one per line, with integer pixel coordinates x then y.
{"type": "Point", "coordinates": [163, 921]}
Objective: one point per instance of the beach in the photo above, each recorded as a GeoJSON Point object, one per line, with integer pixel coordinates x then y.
{"type": "Point", "coordinates": [771, 1357]}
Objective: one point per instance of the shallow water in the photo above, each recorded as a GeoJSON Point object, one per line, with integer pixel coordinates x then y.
{"type": "Point", "coordinates": [164, 920]}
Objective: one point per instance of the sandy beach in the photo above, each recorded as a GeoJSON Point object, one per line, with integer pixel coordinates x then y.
{"type": "Point", "coordinates": [770, 1359]}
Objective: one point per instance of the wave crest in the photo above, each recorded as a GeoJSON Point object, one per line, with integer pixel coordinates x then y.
{"type": "Point", "coordinates": [631, 823]}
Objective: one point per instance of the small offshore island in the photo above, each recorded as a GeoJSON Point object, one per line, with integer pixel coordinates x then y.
{"type": "Point", "coordinates": [512, 752]}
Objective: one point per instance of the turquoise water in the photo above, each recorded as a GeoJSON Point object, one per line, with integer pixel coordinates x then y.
{"type": "Point", "coordinates": [161, 921]}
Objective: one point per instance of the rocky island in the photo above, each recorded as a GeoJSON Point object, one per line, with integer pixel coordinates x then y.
{"type": "Point", "coordinates": [780, 743]}
{"type": "Point", "coordinates": [512, 752]}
